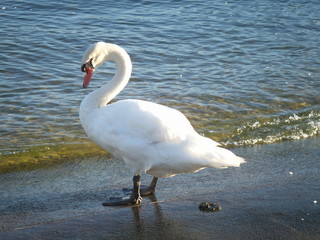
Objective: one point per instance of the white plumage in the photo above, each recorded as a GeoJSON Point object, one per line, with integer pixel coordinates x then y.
{"type": "Point", "coordinates": [149, 137]}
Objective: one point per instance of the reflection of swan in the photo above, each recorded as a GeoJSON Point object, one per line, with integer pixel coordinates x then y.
{"type": "Point", "coordinates": [149, 137]}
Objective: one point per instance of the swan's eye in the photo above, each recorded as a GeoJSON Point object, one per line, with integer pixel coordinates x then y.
{"type": "Point", "coordinates": [88, 64]}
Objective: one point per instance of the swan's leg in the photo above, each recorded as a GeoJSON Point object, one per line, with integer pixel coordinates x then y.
{"type": "Point", "coordinates": [134, 198]}
{"type": "Point", "coordinates": [151, 189]}
{"type": "Point", "coordinates": [146, 190]}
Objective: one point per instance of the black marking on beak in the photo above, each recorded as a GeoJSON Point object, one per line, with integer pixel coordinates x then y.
{"type": "Point", "coordinates": [88, 64]}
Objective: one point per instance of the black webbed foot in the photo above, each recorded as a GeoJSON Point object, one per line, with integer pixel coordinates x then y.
{"type": "Point", "coordinates": [136, 192]}
{"type": "Point", "coordinates": [133, 199]}
{"type": "Point", "coordinates": [124, 201]}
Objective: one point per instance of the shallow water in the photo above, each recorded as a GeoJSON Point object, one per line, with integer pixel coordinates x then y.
{"type": "Point", "coordinates": [243, 72]}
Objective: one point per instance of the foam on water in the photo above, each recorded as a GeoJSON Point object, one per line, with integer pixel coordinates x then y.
{"type": "Point", "coordinates": [288, 127]}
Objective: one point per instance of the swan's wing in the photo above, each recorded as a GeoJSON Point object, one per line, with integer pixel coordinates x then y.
{"type": "Point", "coordinates": [145, 121]}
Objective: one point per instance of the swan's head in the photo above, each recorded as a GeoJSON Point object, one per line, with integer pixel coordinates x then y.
{"type": "Point", "coordinates": [93, 57]}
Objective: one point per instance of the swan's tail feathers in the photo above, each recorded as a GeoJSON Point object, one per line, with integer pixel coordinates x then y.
{"type": "Point", "coordinates": [223, 158]}
{"type": "Point", "coordinates": [213, 155]}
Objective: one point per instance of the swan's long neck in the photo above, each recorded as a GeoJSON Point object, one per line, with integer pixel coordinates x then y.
{"type": "Point", "coordinates": [100, 97]}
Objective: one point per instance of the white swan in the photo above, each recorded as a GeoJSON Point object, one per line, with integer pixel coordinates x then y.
{"type": "Point", "coordinates": [149, 137]}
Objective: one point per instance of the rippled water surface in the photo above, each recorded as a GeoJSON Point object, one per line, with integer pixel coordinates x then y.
{"type": "Point", "coordinates": [243, 72]}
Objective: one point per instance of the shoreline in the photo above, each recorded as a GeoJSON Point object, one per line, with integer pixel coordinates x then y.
{"type": "Point", "coordinates": [275, 195]}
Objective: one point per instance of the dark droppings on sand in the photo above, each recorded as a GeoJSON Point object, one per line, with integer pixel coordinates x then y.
{"type": "Point", "coordinates": [209, 207]}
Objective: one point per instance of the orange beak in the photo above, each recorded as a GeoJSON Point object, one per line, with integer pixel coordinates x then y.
{"type": "Point", "coordinates": [87, 76]}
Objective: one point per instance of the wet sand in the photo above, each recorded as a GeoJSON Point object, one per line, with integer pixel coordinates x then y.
{"type": "Point", "coordinates": [275, 195]}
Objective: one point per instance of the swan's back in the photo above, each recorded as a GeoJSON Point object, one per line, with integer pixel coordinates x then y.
{"type": "Point", "coordinates": [143, 120]}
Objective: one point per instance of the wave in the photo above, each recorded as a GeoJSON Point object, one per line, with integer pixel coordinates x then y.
{"type": "Point", "coordinates": [275, 129]}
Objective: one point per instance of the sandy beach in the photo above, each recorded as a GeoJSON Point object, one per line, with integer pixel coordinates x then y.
{"type": "Point", "coordinates": [275, 195]}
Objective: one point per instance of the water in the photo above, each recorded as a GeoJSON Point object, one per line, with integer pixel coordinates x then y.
{"type": "Point", "coordinates": [243, 72]}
